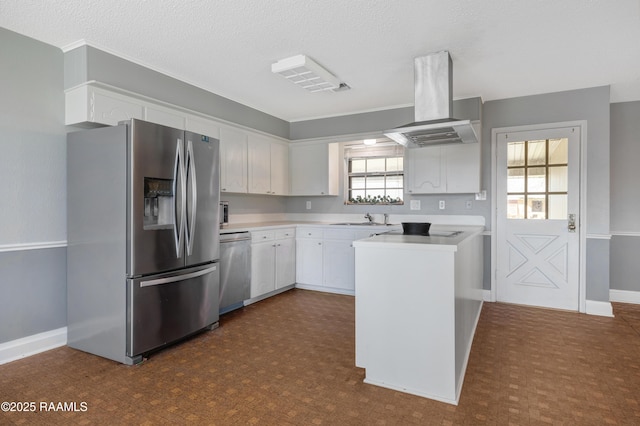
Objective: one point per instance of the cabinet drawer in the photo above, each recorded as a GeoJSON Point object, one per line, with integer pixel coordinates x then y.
{"type": "Point", "coordinates": [339, 234]}
{"type": "Point", "coordinates": [309, 233]}
{"type": "Point", "coordinates": [259, 236]}
{"type": "Point", "coordinates": [285, 233]}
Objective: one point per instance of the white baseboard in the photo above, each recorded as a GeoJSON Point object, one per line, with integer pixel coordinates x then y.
{"type": "Point", "coordinates": [31, 345]}
{"type": "Point", "coordinates": [603, 309]}
{"type": "Point", "coordinates": [486, 296]}
{"type": "Point", "coordinates": [624, 296]}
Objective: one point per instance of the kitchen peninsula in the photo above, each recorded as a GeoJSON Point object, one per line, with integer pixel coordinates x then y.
{"type": "Point", "coordinates": [418, 300]}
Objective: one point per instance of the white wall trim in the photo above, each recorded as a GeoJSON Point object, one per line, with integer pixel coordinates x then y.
{"type": "Point", "coordinates": [625, 234]}
{"type": "Point", "coordinates": [624, 296]}
{"type": "Point", "coordinates": [598, 236]}
{"type": "Point", "coordinates": [31, 345]}
{"type": "Point", "coordinates": [595, 307]}
{"type": "Point", "coordinates": [486, 296]}
{"type": "Point", "coordinates": [32, 246]}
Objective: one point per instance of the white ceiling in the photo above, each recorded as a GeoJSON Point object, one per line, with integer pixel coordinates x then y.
{"type": "Point", "coordinates": [500, 48]}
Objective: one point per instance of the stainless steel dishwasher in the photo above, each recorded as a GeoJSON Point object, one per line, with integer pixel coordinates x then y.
{"type": "Point", "coordinates": [235, 270]}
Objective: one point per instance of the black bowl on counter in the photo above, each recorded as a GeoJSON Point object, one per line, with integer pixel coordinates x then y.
{"type": "Point", "coordinates": [416, 228]}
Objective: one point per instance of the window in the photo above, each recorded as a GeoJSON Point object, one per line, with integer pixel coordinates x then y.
{"type": "Point", "coordinates": [537, 179]}
{"type": "Point", "coordinates": [374, 175]}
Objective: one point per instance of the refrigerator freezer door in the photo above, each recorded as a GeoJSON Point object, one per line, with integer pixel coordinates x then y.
{"type": "Point", "coordinates": [165, 308]}
{"type": "Point", "coordinates": [203, 198]}
{"type": "Point", "coordinates": [156, 198]}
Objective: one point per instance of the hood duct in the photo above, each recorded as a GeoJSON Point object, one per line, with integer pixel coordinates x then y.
{"type": "Point", "coordinates": [434, 123]}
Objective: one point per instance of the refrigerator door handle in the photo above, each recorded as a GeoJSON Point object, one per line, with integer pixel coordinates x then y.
{"type": "Point", "coordinates": [180, 201]}
{"type": "Point", "coordinates": [191, 176]}
{"type": "Point", "coordinates": [178, 277]}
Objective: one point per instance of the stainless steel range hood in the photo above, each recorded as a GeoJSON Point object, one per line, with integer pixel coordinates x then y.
{"type": "Point", "coordinates": [434, 123]}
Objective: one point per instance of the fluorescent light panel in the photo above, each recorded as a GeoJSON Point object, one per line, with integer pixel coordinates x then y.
{"type": "Point", "coordinates": [306, 73]}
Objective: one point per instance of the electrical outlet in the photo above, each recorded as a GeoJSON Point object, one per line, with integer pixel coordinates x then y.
{"type": "Point", "coordinates": [441, 204]}
{"type": "Point", "coordinates": [469, 204]}
{"type": "Point", "coordinates": [308, 205]}
{"type": "Point", "coordinates": [415, 205]}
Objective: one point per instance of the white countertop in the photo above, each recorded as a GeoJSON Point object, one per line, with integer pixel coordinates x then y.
{"type": "Point", "coordinates": [261, 226]}
{"type": "Point", "coordinates": [422, 242]}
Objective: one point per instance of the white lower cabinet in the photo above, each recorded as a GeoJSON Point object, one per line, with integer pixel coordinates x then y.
{"type": "Point", "coordinates": [309, 261]}
{"type": "Point", "coordinates": [272, 260]}
{"type": "Point", "coordinates": [325, 258]}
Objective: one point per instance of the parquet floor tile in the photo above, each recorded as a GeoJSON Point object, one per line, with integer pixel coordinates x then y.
{"type": "Point", "coordinates": [289, 360]}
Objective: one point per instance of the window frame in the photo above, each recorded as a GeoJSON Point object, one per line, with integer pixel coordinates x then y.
{"type": "Point", "coordinates": [525, 167]}
{"type": "Point", "coordinates": [370, 154]}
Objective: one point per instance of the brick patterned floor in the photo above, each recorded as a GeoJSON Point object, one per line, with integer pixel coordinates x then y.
{"type": "Point", "coordinates": [289, 360]}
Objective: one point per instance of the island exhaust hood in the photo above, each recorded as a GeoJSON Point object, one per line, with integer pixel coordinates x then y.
{"type": "Point", "coordinates": [434, 124]}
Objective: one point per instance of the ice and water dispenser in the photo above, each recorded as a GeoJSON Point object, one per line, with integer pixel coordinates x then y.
{"type": "Point", "coordinates": [158, 203]}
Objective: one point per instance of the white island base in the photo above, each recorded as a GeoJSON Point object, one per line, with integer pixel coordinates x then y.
{"type": "Point", "coordinates": [418, 300]}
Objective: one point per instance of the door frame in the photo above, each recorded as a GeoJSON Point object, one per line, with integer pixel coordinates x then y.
{"type": "Point", "coordinates": [582, 214]}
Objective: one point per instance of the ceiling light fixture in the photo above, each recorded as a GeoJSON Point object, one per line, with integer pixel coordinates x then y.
{"type": "Point", "coordinates": [369, 142]}
{"type": "Point", "coordinates": [308, 74]}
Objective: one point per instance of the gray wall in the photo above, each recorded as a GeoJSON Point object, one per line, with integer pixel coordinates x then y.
{"type": "Point", "coordinates": [87, 63]}
{"type": "Point", "coordinates": [625, 196]}
{"type": "Point", "coordinates": [33, 176]}
{"type": "Point", "coordinates": [469, 109]}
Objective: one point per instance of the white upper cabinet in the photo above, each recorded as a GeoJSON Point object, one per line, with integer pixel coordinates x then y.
{"type": "Point", "coordinates": [164, 116]}
{"type": "Point", "coordinates": [463, 168]}
{"type": "Point", "coordinates": [451, 169]}
{"type": "Point", "coordinates": [202, 126]}
{"type": "Point", "coordinates": [88, 104]}
{"type": "Point", "coordinates": [314, 168]}
{"type": "Point", "coordinates": [233, 160]}
{"type": "Point", "coordinates": [425, 170]}
{"type": "Point", "coordinates": [268, 166]}
{"type": "Point", "coordinates": [259, 165]}
{"type": "Point", "coordinates": [279, 169]}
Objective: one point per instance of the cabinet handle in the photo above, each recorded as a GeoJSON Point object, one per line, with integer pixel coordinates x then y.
{"type": "Point", "coordinates": [224, 189]}
{"type": "Point", "coordinates": [319, 244]}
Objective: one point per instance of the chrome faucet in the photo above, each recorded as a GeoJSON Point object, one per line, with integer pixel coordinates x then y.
{"type": "Point", "coordinates": [368, 216]}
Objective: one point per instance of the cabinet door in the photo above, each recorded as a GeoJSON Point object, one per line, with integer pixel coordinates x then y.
{"type": "Point", "coordinates": [112, 108]}
{"type": "Point", "coordinates": [463, 168]}
{"type": "Point", "coordinates": [262, 268]}
{"type": "Point", "coordinates": [426, 173]}
{"type": "Point", "coordinates": [233, 160]}
{"type": "Point", "coordinates": [164, 117]}
{"type": "Point", "coordinates": [339, 264]}
{"type": "Point", "coordinates": [202, 126]}
{"type": "Point", "coordinates": [314, 169]}
{"type": "Point", "coordinates": [285, 262]}
{"type": "Point", "coordinates": [279, 169]}
{"type": "Point", "coordinates": [309, 261]}
{"type": "Point", "coordinates": [259, 169]}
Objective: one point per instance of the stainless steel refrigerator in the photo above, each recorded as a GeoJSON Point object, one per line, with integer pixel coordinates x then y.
{"type": "Point", "coordinates": [143, 238]}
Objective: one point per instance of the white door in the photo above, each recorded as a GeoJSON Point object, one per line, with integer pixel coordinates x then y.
{"type": "Point", "coordinates": [538, 244]}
